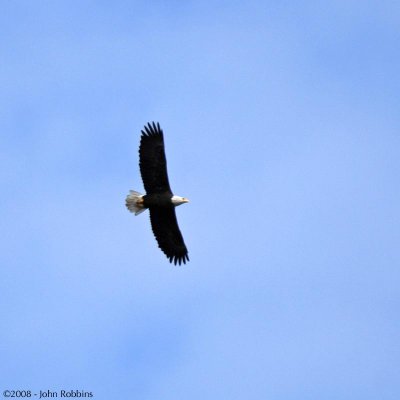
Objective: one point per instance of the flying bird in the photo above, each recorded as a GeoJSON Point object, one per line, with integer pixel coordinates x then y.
{"type": "Point", "coordinates": [159, 198]}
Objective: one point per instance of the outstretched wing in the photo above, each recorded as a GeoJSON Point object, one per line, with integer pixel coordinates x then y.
{"type": "Point", "coordinates": [169, 238]}
{"type": "Point", "coordinates": [153, 164]}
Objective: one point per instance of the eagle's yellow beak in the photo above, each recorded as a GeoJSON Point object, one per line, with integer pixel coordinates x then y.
{"type": "Point", "coordinates": [185, 200]}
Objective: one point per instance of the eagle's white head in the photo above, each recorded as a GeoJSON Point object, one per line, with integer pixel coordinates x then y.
{"type": "Point", "coordinates": [178, 200]}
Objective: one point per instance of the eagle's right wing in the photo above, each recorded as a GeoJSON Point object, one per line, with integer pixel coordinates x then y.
{"type": "Point", "coordinates": [169, 238]}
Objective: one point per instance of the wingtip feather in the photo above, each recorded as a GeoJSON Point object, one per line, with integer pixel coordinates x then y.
{"type": "Point", "coordinates": [151, 129]}
{"type": "Point", "coordinates": [179, 259]}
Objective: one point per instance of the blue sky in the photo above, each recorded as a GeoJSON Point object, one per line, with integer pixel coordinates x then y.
{"type": "Point", "coordinates": [281, 123]}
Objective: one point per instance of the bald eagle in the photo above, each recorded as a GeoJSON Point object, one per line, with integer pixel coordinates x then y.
{"type": "Point", "coordinates": [159, 198]}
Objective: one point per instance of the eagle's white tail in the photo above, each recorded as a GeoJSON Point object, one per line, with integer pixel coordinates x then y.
{"type": "Point", "coordinates": [134, 202]}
